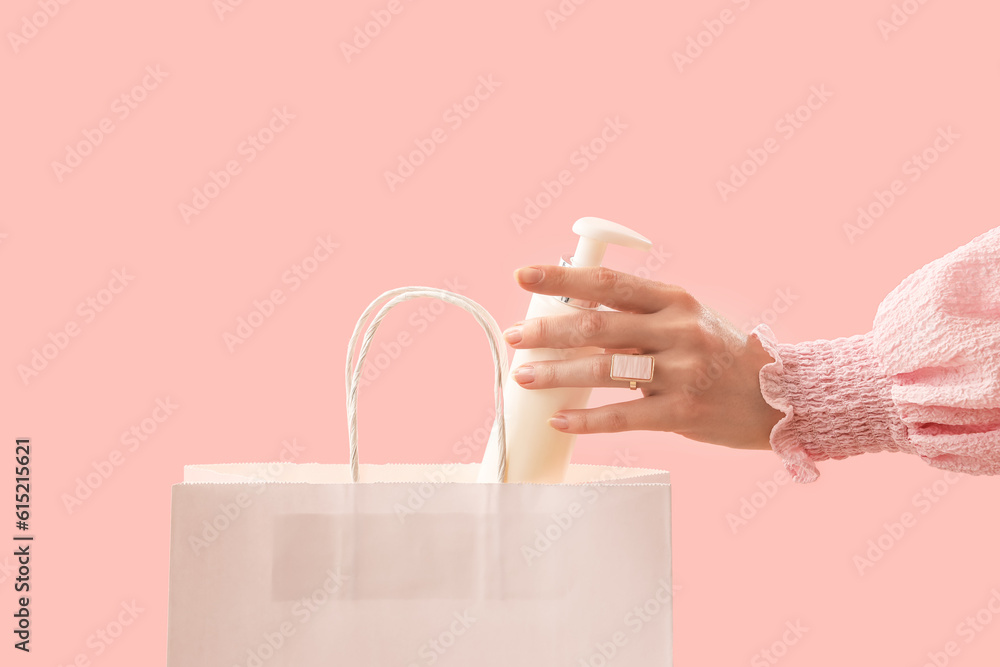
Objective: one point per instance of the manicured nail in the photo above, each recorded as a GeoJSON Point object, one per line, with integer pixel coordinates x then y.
{"type": "Point", "coordinates": [513, 335]}
{"type": "Point", "coordinates": [528, 276]}
{"type": "Point", "coordinates": [558, 422]}
{"type": "Point", "coordinates": [524, 374]}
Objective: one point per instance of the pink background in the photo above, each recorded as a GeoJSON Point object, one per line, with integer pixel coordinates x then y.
{"type": "Point", "coordinates": [323, 175]}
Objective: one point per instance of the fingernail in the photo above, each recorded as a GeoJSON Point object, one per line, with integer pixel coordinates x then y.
{"type": "Point", "coordinates": [513, 335]}
{"type": "Point", "coordinates": [528, 276]}
{"type": "Point", "coordinates": [524, 374]}
{"type": "Point", "coordinates": [559, 422]}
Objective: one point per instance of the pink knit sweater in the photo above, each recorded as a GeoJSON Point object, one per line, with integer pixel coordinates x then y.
{"type": "Point", "coordinates": [925, 380]}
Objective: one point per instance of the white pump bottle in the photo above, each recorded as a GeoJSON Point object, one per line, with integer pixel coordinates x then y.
{"type": "Point", "coordinates": [536, 452]}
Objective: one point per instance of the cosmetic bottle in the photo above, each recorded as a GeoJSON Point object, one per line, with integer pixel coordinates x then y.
{"type": "Point", "coordinates": [536, 452]}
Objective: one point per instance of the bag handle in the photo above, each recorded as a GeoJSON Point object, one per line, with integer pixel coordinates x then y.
{"type": "Point", "coordinates": [400, 294]}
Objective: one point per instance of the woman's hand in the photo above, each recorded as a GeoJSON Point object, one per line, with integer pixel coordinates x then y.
{"type": "Point", "coordinates": [706, 372]}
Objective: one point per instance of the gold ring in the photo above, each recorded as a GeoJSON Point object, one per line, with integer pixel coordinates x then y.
{"type": "Point", "coordinates": [632, 368]}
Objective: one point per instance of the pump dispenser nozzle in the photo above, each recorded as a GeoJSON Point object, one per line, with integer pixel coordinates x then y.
{"type": "Point", "coordinates": [595, 235]}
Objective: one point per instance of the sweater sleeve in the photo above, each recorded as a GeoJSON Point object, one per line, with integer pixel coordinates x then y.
{"type": "Point", "coordinates": [925, 380]}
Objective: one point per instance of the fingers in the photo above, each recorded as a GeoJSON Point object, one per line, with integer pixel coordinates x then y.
{"type": "Point", "coordinates": [652, 413]}
{"type": "Point", "coordinates": [597, 328]}
{"type": "Point", "coordinates": [589, 371]}
{"type": "Point", "coordinates": [621, 291]}
{"type": "Point", "coordinates": [622, 350]}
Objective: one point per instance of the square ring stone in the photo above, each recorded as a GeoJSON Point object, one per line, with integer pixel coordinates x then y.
{"type": "Point", "coordinates": [638, 367]}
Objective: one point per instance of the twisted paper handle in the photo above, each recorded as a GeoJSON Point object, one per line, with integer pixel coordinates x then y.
{"type": "Point", "coordinates": [400, 294]}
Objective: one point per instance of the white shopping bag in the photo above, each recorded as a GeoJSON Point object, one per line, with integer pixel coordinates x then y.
{"type": "Point", "coordinates": [281, 564]}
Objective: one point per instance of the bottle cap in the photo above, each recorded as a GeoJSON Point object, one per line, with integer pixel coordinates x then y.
{"type": "Point", "coordinates": [595, 235]}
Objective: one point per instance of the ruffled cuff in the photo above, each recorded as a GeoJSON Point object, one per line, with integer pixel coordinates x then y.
{"type": "Point", "coordinates": [836, 399]}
